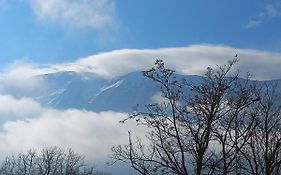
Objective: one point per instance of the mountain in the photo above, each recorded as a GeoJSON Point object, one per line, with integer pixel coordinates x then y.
{"type": "Point", "coordinates": [74, 90]}
{"type": "Point", "coordinates": [87, 91]}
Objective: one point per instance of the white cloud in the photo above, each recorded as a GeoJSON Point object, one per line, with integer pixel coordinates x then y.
{"type": "Point", "coordinates": [158, 98]}
{"type": "Point", "coordinates": [192, 59]}
{"type": "Point", "coordinates": [89, 133]}
{"type": "Point", "coordinates": [270, 11]}
{"type": "Point", "coordinates": [20, 78]}
{"type": "Point", "coordinates": [96, 14]}
{"type": "Point", "coordinates": [273, 10]}
{"type": "Point", "coordinates": [14, 109]}
{"type": "Point", "coordinates": [253, 24]}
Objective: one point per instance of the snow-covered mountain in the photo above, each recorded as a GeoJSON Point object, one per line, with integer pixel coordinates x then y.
{"type": "Point", "coordinates": [74, 90]}
{"type": "Point", "coordinates": [87, 91]}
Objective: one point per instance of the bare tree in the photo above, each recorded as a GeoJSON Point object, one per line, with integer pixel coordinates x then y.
{"type": "Point", "coordinates": [183, 127]}
{"type": "Point", "coordinates": [263, 149]}
{"type": "Point", "coordinates": [235, 127]}
{"type": "Point", "coordinates": [23, 164]}
{"type": "Point", "coordinates": [51, 161]}
{"type": "Point", "coordinates": [8, 166]}
{"type": "Point", "coordinates": [166, 153]}
{"type": "Point", "coordinates": [209, 106]}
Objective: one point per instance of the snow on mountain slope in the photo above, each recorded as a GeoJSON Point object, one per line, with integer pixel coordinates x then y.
{"type": "Point", "coordinates": [74, 90]}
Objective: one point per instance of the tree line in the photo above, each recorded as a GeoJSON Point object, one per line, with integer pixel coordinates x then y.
{"type": "Point", "coordinates": [48, 161]}
{"type": "Point", "coordinates": [224, 124]}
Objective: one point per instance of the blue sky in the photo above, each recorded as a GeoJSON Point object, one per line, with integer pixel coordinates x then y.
{"type": "Point", "coordinates": [41, 31]}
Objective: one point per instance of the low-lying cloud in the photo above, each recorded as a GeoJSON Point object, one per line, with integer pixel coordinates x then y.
{"type": "Point", "coordinates": [12, 109]}
{"type": "Point", "coordinates": [30, 125]}
{"type": "Point", "coordinates": [21, 78]}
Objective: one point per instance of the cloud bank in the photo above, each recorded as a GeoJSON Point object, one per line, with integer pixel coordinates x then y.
{"type": "Point", "coordinates": [28, 125]}
{"type": "Point", "coordinates": [192, 59]}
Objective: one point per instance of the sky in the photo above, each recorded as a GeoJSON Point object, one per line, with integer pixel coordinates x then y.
{"type": "Point", "coordinates": [58, 31]}
{"type": "Point", "coordinates": [112, 38]}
